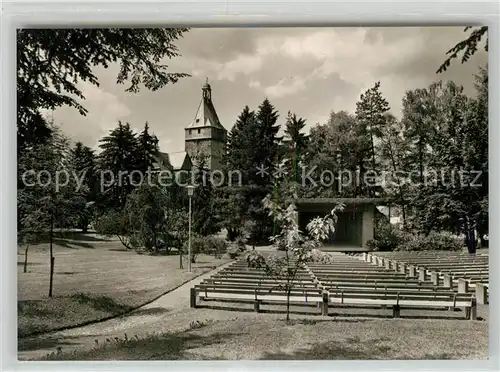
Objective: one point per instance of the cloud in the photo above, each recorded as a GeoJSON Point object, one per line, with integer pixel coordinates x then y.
{"type": "Point", "coordinates": [243, 64]}
{"type": "Point", "coordinates": [310, 71]}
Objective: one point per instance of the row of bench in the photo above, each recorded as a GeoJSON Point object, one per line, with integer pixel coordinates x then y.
{"type": "Point", "coordinates": [462, 272]}
{"type": "Point", "coordinates": [346, 281]}
{"type": "Point", "coordinates": [360, 282]}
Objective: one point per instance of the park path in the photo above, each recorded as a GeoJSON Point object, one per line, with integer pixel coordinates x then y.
{"type": "Point", "coordinates": [169, 313]}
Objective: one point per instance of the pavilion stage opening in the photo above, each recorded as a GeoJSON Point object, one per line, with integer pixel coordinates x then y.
{"type": "Point", "coordinates": [355, 225]}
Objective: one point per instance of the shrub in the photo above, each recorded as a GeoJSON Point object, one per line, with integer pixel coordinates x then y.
{"type": "Point", "coordinates": [391, 238]}
{"type": "Point", "coordinates": [437, 241]}
{"type": "Point", "coordinates": [210, 245]}
{"type": "Point", "coordinates": [217, 247]}
{"type": "Point", "coordinates": [388, 238]}
{"type": "Point", "coordinates": [233, 253]}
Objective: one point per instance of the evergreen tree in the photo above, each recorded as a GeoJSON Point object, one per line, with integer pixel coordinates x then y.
{"type": "Point", "coordinates": [83, 163]}
{"type": "Point", "coordinates": [264, 140]}
{"type": "Point", "coordinates": [204, 216]}
{"type": "Point", "coordinates": [253, 143]}
{"type": "Point", "coordinates": [118, 160]}
{"type": "Point", "coordinates": [370, 114]}
{"type": "Point", "coordinates": [295, 143]}
{"type": "Point", "coordinates": [147, 149]}
{"type": "Point", "coordinates": [238, 143]}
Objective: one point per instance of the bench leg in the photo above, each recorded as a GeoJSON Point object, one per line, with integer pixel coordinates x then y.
{"type": "Point", "coordinates": [325, 302]}
{"type": "Point", "coordinates": [473, 310]}
{"type": "Point", "coordinates": [396, 311]}
{"type": "Point", "coordinates": [192, 298]}
{"type": "Point", "coordinates": [473, 313]}
{"type": "Point", "coordinates": [324, 308]}
{"type": "Point", "coordinates": [256, 306]}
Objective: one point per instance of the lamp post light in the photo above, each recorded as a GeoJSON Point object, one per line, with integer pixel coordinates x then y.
{"type": "Point", "coordinates": [190, 190]}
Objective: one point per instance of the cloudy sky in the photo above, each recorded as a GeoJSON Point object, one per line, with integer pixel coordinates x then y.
{"type": "Point", "coordinates": [310, 71]}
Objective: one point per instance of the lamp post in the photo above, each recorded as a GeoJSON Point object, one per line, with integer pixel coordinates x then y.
{"type": "Point", "coordinates": [190, 190]}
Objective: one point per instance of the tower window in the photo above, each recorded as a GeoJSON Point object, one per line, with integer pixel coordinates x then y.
{"type": "Point", "coordinates": [190, 131]}
{"type": "Point", "coordinates": [198, 120]}
{"type": "Point", "coordinates": [199, 131]}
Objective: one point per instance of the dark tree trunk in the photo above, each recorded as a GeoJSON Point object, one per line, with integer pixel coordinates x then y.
{"type": "Point", "coordinates": [26, 258]}
{"type": "Point", "coordinates": [52, 259]}
{"type": "Point", "coordinates": [288, 304]}
{"type": "Point", "coordinates": [232, 234]}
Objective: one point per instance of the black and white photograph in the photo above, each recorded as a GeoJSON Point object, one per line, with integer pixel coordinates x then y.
{"type": "Point", "coordinates": [252, 193]}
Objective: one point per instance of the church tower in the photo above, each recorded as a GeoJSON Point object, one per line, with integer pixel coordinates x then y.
{"type": "Point", "coordinates": [205, 136]}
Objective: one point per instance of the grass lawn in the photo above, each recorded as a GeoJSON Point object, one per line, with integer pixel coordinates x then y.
{"type": "Point", "coordinates": [267, 337]}
{"type": "Point", "coordinates": [93, 280]}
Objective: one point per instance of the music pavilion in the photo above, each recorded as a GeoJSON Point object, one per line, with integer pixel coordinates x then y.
{"type": "Point", "coordinates": [355, 225]}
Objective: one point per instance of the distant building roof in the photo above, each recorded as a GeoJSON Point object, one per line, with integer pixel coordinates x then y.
{"type": "Point", "coordinates": [206, 116]}
{"type": "Point", "coordinates": [174, 160]}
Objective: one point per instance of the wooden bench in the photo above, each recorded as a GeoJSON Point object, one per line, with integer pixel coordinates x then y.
{"type": "Point", "coordinates": [324, 299]}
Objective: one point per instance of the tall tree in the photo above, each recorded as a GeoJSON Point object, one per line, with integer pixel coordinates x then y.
{"type": "Point", "coordinates": [83, 162]}
{"type": "Point", "coordinates": [238, 143]}
{"type": "Point", "coordinates": [334, 147]}
{"type": "Point", "coordinates": [253, 151]}
{"type": "Point", "coordinates": [450, 141]}
{"type": "Point", "coordinates": [264, 151]}
{"type": "Point", "coordinates": [52, 62]}
{"type": "Point", "coordinates": [117, 160]}
{"type": "Point", "coordinates": [296, 141]}
{"type": "Point", "coordinates": [147, 149]}
{"type": "Point", "coordinates": [419, 117]}
{"type": "Point", "coordinates": [394, 150]}
{"type": "Point", "coordinates": [370, 114]}
{"type": "Point", "coordinates": [477, 148]}
{"type": "Point", "coordinates": [204, 199]}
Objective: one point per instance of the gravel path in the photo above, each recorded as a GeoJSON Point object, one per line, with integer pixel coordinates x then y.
{"type": "Point", "coordinates": [170, 312]}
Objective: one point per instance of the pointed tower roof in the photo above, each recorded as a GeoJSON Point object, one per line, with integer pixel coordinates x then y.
{"type": "Point", "coordinates": [206, 116]}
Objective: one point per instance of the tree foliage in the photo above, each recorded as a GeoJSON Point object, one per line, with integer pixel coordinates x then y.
{"type": "Point", "coordinates": [51, 64]}
{"type": "Point", "coordinates": [83, 161]}
{"type": "Point", "coordinates": [254, 144]}
{"type": "Point", "coordinates": [49, 197]}
{"type": "Point", "coordinates": [117, 162]}
{"type": "Point", "coordinates": [371, 118]}
{"type": "Point", "coordinates": [468, 46]}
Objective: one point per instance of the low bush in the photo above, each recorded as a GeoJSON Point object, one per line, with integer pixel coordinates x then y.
{"type": "Point", "coordinates": [217, 246]}
{"type": "Point", "coordinates": [209, 245]}
{"type": "Point", "coordinates": [435, 241]}
{"type": "Point", "coordinates": [390, 238]}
